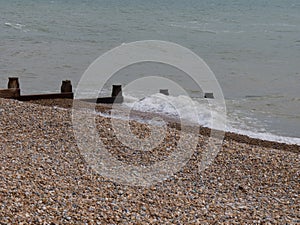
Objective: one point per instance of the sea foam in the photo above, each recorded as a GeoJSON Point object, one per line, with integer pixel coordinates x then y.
{"type": "Point", "coordinates": [166, 105]}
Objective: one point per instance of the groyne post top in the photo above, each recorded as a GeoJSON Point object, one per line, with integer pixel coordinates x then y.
{"type": "Point", "coordinates": [164, 91]}
{"type": "Point", "coordinates": [13, 82]}
{"type": "Point", "coordinates": [209, 95]}
{"type": "Point", "coordinates": [66, 86]}
{"type": "Point", "coordinates": [116, 90]}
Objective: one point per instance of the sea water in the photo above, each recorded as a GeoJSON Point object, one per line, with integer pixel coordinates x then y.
{"type": "Point", "coordinates": [253, 48]}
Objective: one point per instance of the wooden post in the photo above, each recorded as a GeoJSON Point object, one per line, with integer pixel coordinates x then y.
{"type": "Point", "coordinates": [116, 91]}
{"type": "Point", "coordinates": [13, 82]}
{"type": "Point", "coordinates": [209, 95]}
{"type": "Point", "coordinates": [10, 93]}
{"type": "Point", "coordinates": [116, 96]}
{"type": "Point", "coordinates": [164, 91]}
{"type": "Point", "coordinates": [66, 86]}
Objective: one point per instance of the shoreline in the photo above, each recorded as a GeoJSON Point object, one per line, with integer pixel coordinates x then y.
{"type": "Point", "coordinates": [241, 138]}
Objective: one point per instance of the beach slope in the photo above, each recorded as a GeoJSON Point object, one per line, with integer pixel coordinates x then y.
{"type": "Point", "coordinates": [45, 179]}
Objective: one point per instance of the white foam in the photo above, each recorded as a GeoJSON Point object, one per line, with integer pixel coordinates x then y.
{"type": "Point", "coordinates": [16, 26]}
{"type": "Point", "coordinates": [172, 106]}
{"type": "Point", "coordinates": [267, 136]}
{"type": "Point", "coordinates": [192, 25]}
{"type": "Point", "coordinates": [158, 104]}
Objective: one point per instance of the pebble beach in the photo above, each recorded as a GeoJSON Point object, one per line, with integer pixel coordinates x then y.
{"type": "Point", "coordinates": [46, 180]}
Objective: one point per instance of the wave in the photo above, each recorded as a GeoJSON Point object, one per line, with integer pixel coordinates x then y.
{"type": "Point", "coordinates": [194, 28]}
{"type": "Point", "coordinates": [202, 29]}
{"type": "Point", "coordinates": [158, 104]}
{"type": "Point", "coordinates": [17, 26]}
{"type": "Point", "coordinates": [274, 24]}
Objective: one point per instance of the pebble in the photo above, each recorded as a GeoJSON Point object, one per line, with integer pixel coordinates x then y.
{"type": "Point", "coordinates": [44, 178]}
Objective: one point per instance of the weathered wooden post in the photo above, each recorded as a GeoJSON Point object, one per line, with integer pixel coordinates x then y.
{"type": "Point", "coordinates": [209, 95]}
{"type": "Point", "coordinates": [66, 86]}
{"type": "Point", "coordinates": [13, 90]}
{"type": "Point", "coordinates": [13, 82]}
{"type": "Point", "coordinates": [116, 91]}
{"type": "Point", "coordinates": [164, 91]}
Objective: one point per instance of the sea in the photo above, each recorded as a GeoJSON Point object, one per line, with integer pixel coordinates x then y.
{"type": "Point", "coordinates": [251, 46]}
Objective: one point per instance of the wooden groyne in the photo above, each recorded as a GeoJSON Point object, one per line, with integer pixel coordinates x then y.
{"type": "Point", "coordinates": [116, 96]}
{"type": "Point", "coordinates": [45, 96]}
{"type": "Point", "coordinates": [66, 92]}
{"type": "Point", "coordinates": [13, 91]}
{"type": "Point", "coordinates": [10, 93]}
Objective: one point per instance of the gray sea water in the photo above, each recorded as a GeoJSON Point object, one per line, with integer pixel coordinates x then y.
{"type": "Point", "coordinates": [252, 46]}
